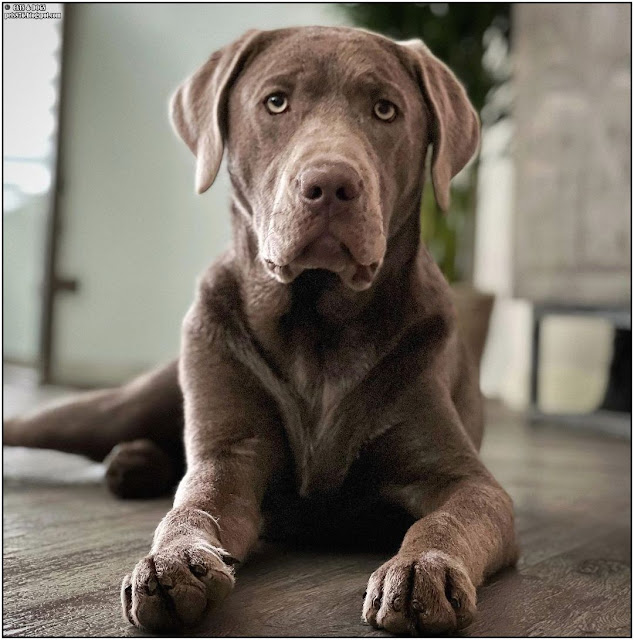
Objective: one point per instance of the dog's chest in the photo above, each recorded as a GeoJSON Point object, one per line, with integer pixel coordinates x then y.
{"type": "Point", "coordinates": [317, 377]}
{"type": "Point", "coordinates": [321, 385]}
{"type": "Point", "coordinates": [323, 368]}
{"type": "Point", "coordinates": [320, 388]}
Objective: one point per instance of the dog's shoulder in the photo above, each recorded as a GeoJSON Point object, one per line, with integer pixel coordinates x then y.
{"type": "Point", "coordinates": [217, 296]}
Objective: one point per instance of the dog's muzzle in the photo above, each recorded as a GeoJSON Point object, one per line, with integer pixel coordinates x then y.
{"type": "Point", "coordinates": [333, 230]}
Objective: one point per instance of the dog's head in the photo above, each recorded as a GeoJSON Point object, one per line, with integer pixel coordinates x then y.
{"type": "Point", "coordinates": [327, 131]}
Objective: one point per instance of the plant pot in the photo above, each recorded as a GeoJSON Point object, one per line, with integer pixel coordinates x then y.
{"type": "Point", "coordinates": [474, 313]}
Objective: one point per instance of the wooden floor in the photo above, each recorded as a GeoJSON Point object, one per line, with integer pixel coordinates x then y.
{"type": "Point", "coordinates": [67, 543]}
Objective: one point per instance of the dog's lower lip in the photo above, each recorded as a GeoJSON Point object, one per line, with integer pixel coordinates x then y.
{"type": "Point", "coordinates": [359, 280]}
{"type": "Point", "coordinates": [364, 275]}
{"type": "Point", "coordinates": [283, 273]}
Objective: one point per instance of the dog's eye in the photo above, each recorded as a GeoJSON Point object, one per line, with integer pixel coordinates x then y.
{"type": "Point", "coordinates": [276, 103]}
{"type": "Point", "coordinates": [385, 110]}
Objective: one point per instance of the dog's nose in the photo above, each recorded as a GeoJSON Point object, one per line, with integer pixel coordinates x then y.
{"type": "Point", "coordinates": [329, 187]}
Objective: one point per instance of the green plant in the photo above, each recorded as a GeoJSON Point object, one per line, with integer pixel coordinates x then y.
{"type": "Point", "coordinates": [472, 39]}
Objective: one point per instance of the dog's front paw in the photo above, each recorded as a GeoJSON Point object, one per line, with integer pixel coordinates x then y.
{"type": "Point", "coordinates": [173, 588]}
{"type": "Point", "coordinates": [429, 593]}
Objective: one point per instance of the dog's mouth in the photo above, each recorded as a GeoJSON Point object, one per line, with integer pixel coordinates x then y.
{"type": "Point", "coordinates": [330, 254]}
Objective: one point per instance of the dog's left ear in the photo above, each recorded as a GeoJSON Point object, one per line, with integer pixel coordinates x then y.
{"type": "Point", "coordinates": [456, 128]}
{"type": "Point", "coordinates": [198, 109]}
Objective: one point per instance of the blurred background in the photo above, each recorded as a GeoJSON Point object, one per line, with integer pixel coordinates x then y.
{"type": "Point", "coordinates": [104, 236]}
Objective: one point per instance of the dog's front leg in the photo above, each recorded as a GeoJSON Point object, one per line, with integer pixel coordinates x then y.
{"type": "Point", "coordinates": [233, 446]}
{"type": "Point", "coordinates": [466, 534]}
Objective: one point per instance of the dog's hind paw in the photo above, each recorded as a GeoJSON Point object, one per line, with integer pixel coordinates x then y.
{"type": "Point", "coordinates": [140, 469]}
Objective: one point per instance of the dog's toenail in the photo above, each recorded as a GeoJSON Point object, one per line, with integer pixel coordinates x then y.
{"type": "Point", "coordinates": [365, 593]}
{"type": "Point", "coordinates": [167, 583]}
{"type": "Point", "coordinates": [397, 604]}
{"type": "Point", "coordinates": [454, 602]}
{"type": "Point", "coordinates": [198, 570]}
{"type": "Point", "coordinates": [151, 585]}
{"type": "Point", "coordinates": [229, 560]}
{"type": "Point", "coordinates": [376, 603]}
{"type": "Point", "coordinates": [417, 606]}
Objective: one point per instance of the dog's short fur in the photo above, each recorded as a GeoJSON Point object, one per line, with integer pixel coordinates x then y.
{"type": "Point", "coordinates": [321, 365]}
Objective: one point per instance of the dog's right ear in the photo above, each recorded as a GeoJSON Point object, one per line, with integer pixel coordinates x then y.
{"type": "Point", "coordinates": [198, 109]}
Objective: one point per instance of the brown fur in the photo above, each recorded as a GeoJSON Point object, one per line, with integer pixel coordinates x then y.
{"type": "Point", "coordinates": [321, 368]}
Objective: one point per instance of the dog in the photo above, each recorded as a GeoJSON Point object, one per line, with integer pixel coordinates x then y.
{"type": "Point", "coordinates": [321, 363]}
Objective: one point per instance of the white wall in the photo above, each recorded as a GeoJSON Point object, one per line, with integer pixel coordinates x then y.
{"type": "Point", "coordinates": [134, 232]}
